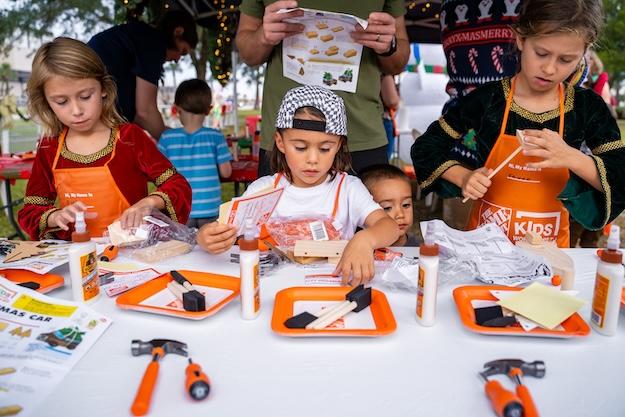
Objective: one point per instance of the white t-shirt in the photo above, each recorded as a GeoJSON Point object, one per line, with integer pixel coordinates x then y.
{"type": "Point", "coordinates": [355, 201]}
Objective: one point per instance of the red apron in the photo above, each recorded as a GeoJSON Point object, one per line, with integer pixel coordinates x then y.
{"type": "Point", "coordinates": [94, 186]}
{"type": "Point", "coordinates": [521, 198]}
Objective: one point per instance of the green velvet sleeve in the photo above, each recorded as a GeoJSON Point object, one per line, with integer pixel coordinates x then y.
{"type": "Point", "coordinates": [590, 207]}
{"type": "Point", "coordinates": [431, 151]}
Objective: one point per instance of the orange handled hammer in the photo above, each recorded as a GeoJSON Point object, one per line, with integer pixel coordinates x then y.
{"type": "Point", "coordinates": [157, 348]}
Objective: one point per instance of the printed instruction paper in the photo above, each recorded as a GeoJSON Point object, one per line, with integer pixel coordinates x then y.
{"type": "Point", "coordinates": [324, 54]}
{"type": "Point", "coordinates": [41, 339]}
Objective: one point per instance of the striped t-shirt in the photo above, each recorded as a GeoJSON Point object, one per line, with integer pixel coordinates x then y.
{"type": "Point", "coordinates": [197, 156]}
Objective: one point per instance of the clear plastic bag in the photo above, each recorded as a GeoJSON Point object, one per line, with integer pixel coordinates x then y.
{"type": "Point", "coordinates": [287, 230]}
{"type": "Point", "coordinates": [160, 228]}
{"type": "Point", "coordinates": [164, 238]}
{"type": "Point", "coordinates": [400, 274]}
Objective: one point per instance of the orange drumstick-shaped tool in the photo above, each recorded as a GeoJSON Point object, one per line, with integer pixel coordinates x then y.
{"type": "Point", "coordinates": [504, 402]}
{"type": "Point", "coordinates": [198, 385]}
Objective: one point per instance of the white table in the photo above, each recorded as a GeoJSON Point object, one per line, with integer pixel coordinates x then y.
{"type": "Point", "coordinates": [415, 371]}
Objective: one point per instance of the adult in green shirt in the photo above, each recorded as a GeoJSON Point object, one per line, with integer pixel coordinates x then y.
{"type": "Point", "coordinates": [386, 50]}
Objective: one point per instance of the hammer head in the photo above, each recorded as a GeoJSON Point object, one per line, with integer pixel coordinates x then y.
{"type": "Point", "coordinates": [536, 369]}
{"type": "Point", "coordinates": [139, 347]}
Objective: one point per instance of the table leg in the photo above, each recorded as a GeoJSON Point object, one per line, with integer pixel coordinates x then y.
{"type": "Point", "coordinates": [236, 188]}
{"type": "Point", "coordinates": [10, 203]}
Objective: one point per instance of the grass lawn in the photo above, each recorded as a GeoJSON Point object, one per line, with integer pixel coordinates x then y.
{"type": "Point", "coordinates": [29, 130]}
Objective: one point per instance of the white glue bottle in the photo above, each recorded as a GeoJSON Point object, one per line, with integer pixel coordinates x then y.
{"type": "Point", "coordinates": [248, 261]}
{"type": "Point", "coordinates": [427, 284]}
{"type": "Point", "coordinates": [608, 286]}
{"type": "Point", "coordinates": [80, 233]}
{"type": "Point", "coordinates": [83, 270]}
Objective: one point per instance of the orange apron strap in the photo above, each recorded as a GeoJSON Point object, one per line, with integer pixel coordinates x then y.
{"type": "Point", "coordinates": [277, 180]}
{"type": "Point", "coordinates": [336, 197]}
{"type": "Point", "coordinates": [504, 122]}
{"type": "Point", "coordinates": [59, 147]}
{"type": "Point", "coordinates": [561, 97]}
{"type": "Point", "coordinates": [115, 133]}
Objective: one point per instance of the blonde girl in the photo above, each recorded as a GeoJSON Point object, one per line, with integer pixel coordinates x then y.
{"type": "Point", "coordinates": [89, 159]}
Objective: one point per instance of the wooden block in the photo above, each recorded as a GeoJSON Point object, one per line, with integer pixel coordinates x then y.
{"type": "Point", "coordinates": [334, 261]}
{"type": "Point", "coordinates": [560, 262]}
{"type": "Point", "coordinates": [320, 248]}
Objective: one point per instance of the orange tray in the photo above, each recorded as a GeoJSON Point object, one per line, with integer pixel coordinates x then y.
{"type": "Point", "coordinates": [47, 282]}
{"type": "Point", "coordinates": [285, 301]}
{"type": "Point", "coordinates": [623, 298]}
{"type": "Point", "coordinates": [574, 326]}
{"type": "Point", "coordinates": [139, 298]}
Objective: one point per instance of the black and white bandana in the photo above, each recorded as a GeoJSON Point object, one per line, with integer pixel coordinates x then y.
{"type": "Point", "coordinates": [324, 100]}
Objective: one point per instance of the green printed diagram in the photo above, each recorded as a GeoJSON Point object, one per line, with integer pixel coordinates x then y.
{"type": "Point", "coordinates": [328, 79]}
{"type": "Point", "coordinates": [68, 337]}
{"type": "Point", "coordinates": [347, 76]}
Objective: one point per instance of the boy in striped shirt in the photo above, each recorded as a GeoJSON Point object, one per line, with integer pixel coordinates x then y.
{"type": "Point", "coordinates": [197, 152]}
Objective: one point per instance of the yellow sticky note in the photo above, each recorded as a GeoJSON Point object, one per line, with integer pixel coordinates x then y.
{"type": "Point", "coordinates": [544, 305]}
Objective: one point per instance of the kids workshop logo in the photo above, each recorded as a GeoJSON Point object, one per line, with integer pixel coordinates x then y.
{"type": "Point", "coordinates": [547, 225]}
{"type": "Point", "coordinates": [501, 216]}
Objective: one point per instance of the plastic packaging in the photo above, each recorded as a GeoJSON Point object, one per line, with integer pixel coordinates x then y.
{"type": "Point", "coordinates": [427, 284]}
{"type": "Point", "coordinates": [80, 233]}
{"type": "Point", "coordinates": [83, 269]}
{"type": "Point", "coordinates": [163, 238]}
{"type": "Point", "coordinates": [248, 260]}
{"type": "Point", "coordinates": [608, 287]}
{"type": "Point", "coordinates": [287, 230]}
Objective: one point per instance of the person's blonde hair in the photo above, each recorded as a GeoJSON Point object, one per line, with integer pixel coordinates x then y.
{"type": "Point", "coordinates": [73, 59]}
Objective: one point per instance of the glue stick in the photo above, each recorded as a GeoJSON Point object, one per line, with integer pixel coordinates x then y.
{"type": "Point", "coordinates": [80, 233]}
{"type": "Point", "coordinates": [83, 270]}
{"type": "Point", "coordinates": [248, 261]}
{"type": "Point", "coordinates": [608, 286]}
{"type": "Point", "coordinates": [428, 279]}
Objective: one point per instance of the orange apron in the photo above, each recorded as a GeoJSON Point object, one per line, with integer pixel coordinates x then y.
{"type": "Point", "coordinates": [520, 198]}
{"type": "Point", "coordinates": [94, 186]}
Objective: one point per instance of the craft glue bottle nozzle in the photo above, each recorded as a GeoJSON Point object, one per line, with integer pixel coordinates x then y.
{"type": "Point", "coordinates": [80, 233]}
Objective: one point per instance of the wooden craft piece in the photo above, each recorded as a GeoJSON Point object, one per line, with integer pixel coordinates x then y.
{"type": "Point", "coordinates": [23, 250]}
{"type": "Point", "coordinates": [320, 248]}
{"type": "Point", "coordinates": [560, 262]}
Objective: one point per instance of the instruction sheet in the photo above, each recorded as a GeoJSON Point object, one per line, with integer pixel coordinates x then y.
{"type": "Point", "coordinates": [258, 207]}
{"type": "Point", "coordinates": [53, 254]}
{"type": "Point", "coordinates": [41, 339]}
{"type": "Point", "coordinates": [485, 254]}
{"type": "Point", "coordinates": [324, 54]}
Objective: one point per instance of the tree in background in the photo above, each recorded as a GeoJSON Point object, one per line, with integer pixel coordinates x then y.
{"type": "Point", "coordinates": [254, 75]}
{"type": "Point", "coordinates": [32, 19]}
{"type": "Point", "coordinates": [39, 20]}
{"type": "Point", "coordinates": [612, 43]}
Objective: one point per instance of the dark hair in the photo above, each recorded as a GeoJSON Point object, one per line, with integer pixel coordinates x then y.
{"type": "Point", "coordinates": [342, 159]}
{"type": "Point", "coordinates": [374, 173]}
{"type": "Point", "coordinates": [546, 17]}
{"type": "Point", "coordinates": [193, 96]}
{"type": "Point", "coordinates": [175, 19]}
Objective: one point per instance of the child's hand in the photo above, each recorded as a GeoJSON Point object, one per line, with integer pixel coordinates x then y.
{"type": "Point", "coordinates": [357, 260]}
{"type": "Point", "coordinates": [216, 237]}
{"type": "Point", "coordinates": [133, 215]}
{"type": "Point", "coordinates": [476, 183]}
{"type": "Point", "coordinates": [61, 218]}
{"type": "Point", "coordinates": [549, 146]}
